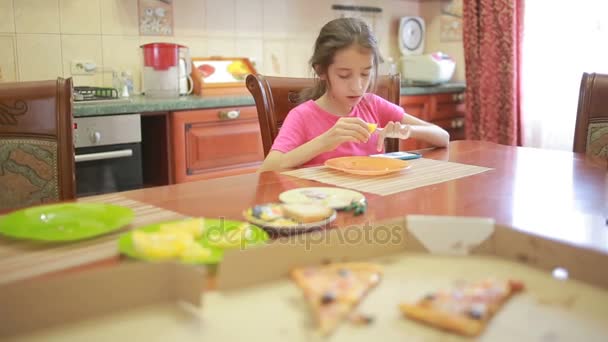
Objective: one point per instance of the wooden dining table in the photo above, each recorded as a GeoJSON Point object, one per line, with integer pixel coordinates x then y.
{"type": "Point", "coordinates": [559, 194]}
{"type": "Point", "coordinates": [555, 194]}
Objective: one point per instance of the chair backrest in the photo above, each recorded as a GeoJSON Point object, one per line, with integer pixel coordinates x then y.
{"type": "Point", "coordinates": [591, 131]}
{"type": "Point", "coordinates": [36, 144]}
{"type": "Point", "coordinates": [276, 96]}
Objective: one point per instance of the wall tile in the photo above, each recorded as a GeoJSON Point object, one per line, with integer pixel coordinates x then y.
{"type": "Point", "coordinates": [312, 15]}
{"type": "Point", "coordinates": [251, 48]}
{"type": "Point", "coordinates": [39, 56]}
{"type": "Point", "coordinates": [155, 39]}
{"type": "Point", "coordinates": [249, 15]}
{"type": "Point", "coordinates": [7, 22]}
{"type": "Point", "coordinates": [122, 53]}
{"type": "Point", "coordinates": [80, 16]}
{"type": "Point", "coordinates": [119, 17]}
{"type": "Point", "coordinates": [275, 58]}
{"type": "Point", "coordinates": [36, 16]}
{"type": "Point", "coordinates": [219, 46]}
{"type": "Point", "coordinates": [300, 51]}
{"type": "Point", "coordinates": [189, 18]}
{"type": "Point", "coordinates": [277, 34]}
{"type": "Point", "coordinates": [220, 17]}
{"type": "Point", "coordinates": [196, 45]}
{"type": "Point", "coordinates": [276, 18]}
{"type": "Point", "coordinates": [82, 47]}
{"type": "Point", "coordinates": [8, 65]}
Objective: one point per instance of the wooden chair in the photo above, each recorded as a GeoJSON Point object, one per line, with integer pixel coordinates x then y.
{"type": "Point", "coordinates": [276, 96]}
{"type": "Point", "coordinates": [591, 131]}
{"type": "Point", "coordinates": [36, 144]}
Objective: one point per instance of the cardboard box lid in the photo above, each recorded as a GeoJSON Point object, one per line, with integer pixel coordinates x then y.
{"type": "Point", "coordinates": [40, 303]}
{"type": "Point", "coordinates": [440, 235]}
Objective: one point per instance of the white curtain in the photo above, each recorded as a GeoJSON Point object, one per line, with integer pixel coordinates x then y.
{"type": "Point", "coordinates": [562, 39]}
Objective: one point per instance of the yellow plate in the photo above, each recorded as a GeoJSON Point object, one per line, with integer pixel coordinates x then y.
{"type": "Point", "coordinates": [368, 166]}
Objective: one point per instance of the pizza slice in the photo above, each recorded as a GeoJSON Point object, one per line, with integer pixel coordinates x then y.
{"type": "Point", "coordinates": [465, 309]}
{"type": "Point", "coordinates": [334, 290]}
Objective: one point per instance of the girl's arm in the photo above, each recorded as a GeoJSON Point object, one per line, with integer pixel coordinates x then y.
{"type": "Point", "coordinates": [425, 131]}
{"type": "Point", "coordinates": [276, 160]}
{"type": "Point", "coordinates": [412, 127]}
{"type": "Point", "coordinates": [346, 129]}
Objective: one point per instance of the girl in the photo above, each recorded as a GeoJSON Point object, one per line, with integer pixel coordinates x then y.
{"type": "Point", "coordinates": [332, 119]}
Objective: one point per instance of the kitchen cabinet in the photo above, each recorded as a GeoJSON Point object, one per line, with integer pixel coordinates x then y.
{"type": "Point", "coordinates": [446, 110]}
{"type": "Point", "coordinates": [216, 142]}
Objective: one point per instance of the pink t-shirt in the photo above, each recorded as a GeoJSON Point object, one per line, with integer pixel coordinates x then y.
{"type": "Point", "coordinates": [307, 121]}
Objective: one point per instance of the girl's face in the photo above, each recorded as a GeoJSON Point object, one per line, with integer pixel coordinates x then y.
{"type": "Point", "coordinates": [348, 77]}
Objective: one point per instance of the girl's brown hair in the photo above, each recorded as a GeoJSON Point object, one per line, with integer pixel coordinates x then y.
{"type": "Point", "coordinates": [334, 36]}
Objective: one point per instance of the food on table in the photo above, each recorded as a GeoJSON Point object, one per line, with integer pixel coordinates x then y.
{"type": "Point", "coordinates": [290, 218]}
{"type": "Point", "coordinates": [194, 227]}
{"type": "Point", "coordinates": [334, 290]}
{"type": "Point", "coordinates": [465, 309]}
{"type": "Point", "coordinates": [173, 240]}
{"type": "Point", "coordinates": [306, 213]}
{"type": "Point", "coordinates": [161, 245]}
{"type": "Point", "coordinates": [285, 215]}
{"type": "Point", "coordinates": [195, 253]}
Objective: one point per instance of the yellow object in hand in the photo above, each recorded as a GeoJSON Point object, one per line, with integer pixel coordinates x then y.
{"type": "Point", "coordinates": [371, 127]}
{"type": "Point", "coordinates": [161, 245]}
{"type": "Point", "coordinates": [194, 227]}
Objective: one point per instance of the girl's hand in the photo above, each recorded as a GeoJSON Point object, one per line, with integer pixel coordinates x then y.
{"type": "Point", "coordinates": [346, 129]}
{"type": "Point", "coordinates": [393, 130]}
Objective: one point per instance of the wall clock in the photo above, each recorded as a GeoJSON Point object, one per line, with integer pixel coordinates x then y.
{"type": "Point", "coordinates": [411, 35]}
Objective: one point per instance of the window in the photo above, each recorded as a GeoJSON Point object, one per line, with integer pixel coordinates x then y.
{"type": "Point", "coordinates": [562, 39]}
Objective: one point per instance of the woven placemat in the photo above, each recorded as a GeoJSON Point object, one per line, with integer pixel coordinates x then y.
{"type": "Point", "coordinates": [21, 259]}
{"type": "Point", "coordinates": [422, 172]}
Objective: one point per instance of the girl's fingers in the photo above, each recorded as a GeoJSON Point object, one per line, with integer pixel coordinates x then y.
{"type": "Point", "coordinates": [380, 142]}
{"type": "Point", "coordinates": [357, 130]}
{"type": "Point", "coordinates": [350, 132]}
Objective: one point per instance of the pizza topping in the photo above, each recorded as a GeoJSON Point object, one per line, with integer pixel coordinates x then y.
{"type": "Point", "coordinates": [429, 297]}
{"type": "Point", "coordinates": [477, 310]}
{"type": "Point", "coordinates": [328, 297]}
{"type": "Point", "coordinates": [344, 272]}
{"type": "Point", "coordinates": [362, 319]}
{"type": "Point", "coordinates": [374, 278]}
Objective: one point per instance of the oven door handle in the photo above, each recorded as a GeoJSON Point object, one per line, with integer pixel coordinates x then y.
{"type": "Point", "coordinates": [103, 155]}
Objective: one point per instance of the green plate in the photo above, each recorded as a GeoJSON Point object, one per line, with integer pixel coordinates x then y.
{"type": "Point", "coordinates": [214, 229]}
{"type": "Point", "coordinates": [65, 221]}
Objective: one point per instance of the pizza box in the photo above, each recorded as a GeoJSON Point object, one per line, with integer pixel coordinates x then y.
{"type": "Point", "coordinates": [565, 299]}
{"type": "Point", "coordinates": [134, 296]}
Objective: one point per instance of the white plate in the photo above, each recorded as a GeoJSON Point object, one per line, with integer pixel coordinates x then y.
{"type": "Point", "coordinates": [336, 198]}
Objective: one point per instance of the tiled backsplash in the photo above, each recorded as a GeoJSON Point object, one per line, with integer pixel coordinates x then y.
{"type": "Point", "coordinates": [40, 38]}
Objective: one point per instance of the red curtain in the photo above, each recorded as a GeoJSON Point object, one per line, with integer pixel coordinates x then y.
{"type": "Point", "coordinates": [492, 37]}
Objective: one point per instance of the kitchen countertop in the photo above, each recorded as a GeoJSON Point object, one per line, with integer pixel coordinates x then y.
{"type": "Point", "coordinates": [141, 104]}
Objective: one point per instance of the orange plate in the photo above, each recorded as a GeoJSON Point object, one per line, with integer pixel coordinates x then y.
{"type": "Point", "coordinates": [369, 166]}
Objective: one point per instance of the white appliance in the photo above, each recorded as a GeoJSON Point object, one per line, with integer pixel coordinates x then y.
{"type": "Point", "coordinates": [427, 69]}
{"type": "Point", "coordinates": [185, 83]}
{"type": "Point", "coordinates": [416, 67]}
